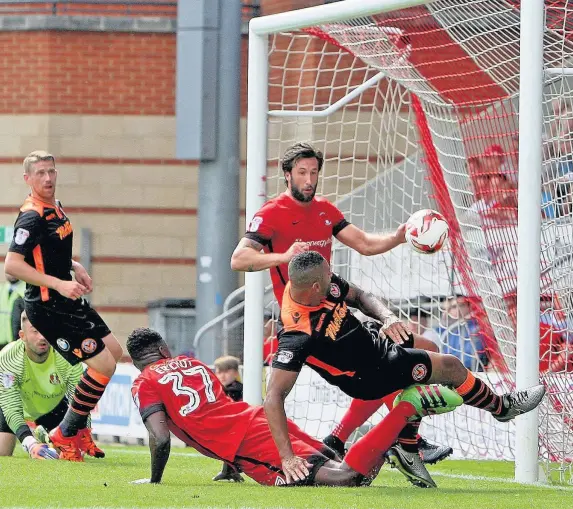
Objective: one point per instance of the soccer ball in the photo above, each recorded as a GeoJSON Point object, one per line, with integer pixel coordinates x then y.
{"type": "Point", "coordinates": [426, 231]}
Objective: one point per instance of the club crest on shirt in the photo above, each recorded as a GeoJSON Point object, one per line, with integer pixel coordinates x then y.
{"type": "Point", "coordinates": [334, 290]}
{"type": "Point", "coordinates": [55, 379]}
{"type": "Point", "coordinates": [255, 223]}
{"type": "Point", "coordinates": [284, 357]}
{"type": "Point", "coordinates": [21, 236]}
{"type": "Point", "coordinates": [89, 345]}
{"type": "Point", "coordinates": [295, 316]}
{"type": "Point", "coordinates": [7, 380]}
{"type": "Point", "coordinates": [419, 372]}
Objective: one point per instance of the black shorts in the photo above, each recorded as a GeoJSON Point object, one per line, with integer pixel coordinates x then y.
{"type": "Point", "coordinates": [397, 369]}
{"type": "Point", "coordinates": [50, 420]}
{"type": "Point", "coordinates": [72, 327]}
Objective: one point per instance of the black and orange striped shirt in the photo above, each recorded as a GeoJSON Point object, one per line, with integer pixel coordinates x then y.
{"type": "Point", "coordinates": [330, 340]}
{"type": "Point", "coordinates": [43, 234]}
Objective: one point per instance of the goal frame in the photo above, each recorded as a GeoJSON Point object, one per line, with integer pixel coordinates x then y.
{"type": "Point", "coordinates": [529, 218]}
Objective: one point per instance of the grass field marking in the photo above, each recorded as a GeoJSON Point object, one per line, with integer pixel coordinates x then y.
{"type": "Point", "coordinates": [437, 473]}
{"type": "Point", "coordinates": [470, 477]}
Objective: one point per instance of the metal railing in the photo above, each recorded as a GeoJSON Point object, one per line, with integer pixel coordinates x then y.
{"type": "Point", "coordinates": [124, 8]}
{"type": "Point", "coordinates": [229, 324]}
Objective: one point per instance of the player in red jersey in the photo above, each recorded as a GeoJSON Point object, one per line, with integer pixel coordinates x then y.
{"type": "Point", "coordinates": [297, 221]}
{"type": "Point", "coordinates": [183, 396]}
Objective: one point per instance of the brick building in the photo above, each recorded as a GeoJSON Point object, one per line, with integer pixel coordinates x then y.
{"type": "Point", "coordinates": [97, 89]}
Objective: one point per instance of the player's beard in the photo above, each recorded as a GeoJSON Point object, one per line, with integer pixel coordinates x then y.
{"type": "Point", "coordinates": [298, 195]}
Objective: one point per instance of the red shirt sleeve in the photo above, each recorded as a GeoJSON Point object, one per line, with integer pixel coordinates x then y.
{"type": "Point", "coordinates": [146, 398]}
{"type": "Point", "coordinates": [339, 221]}
{"type": "Point", "coordinates": [262, 227]}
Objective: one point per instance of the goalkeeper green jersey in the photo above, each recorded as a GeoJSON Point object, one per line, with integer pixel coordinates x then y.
{"type": "Point", "coordinates": [29, 390]}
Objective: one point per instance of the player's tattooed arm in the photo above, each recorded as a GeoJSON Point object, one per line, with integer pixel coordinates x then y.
{"type": "Point", "coordinates": [373, 307]}
{"type": "Point", "coordinates": [248, 257]}
{"type": "Point", "coordinates": [368, 304]}
{"type": "Point", "coordinates": [159, 444]}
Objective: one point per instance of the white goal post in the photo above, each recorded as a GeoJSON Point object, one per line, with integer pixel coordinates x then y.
{"type": "Point", "coordinates": [449, 136]}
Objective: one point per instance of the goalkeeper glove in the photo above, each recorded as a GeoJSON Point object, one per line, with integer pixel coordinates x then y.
{"type": "Point", "coordinates": [39, 451]}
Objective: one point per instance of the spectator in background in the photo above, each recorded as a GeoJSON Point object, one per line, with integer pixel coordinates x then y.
{"type": "Point", "coordinates": [496, 194]}
{"type": "Point", "coordinates": [421, 322]}
{"type": "Point", "coordinates": [11, 307]}
{"type": "Point", "coordinates": [459, 334]}
{"type": "Point", "coordinates": [227, 371]}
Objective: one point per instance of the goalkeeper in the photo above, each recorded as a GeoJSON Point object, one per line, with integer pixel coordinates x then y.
{"type": "Point", "coordinates": [35, 384]}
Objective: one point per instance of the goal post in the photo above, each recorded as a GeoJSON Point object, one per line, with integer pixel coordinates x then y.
{"type": "Point", "coordinates": [529, 230]}
{"type": "Point", "coordinates": [411, 101]}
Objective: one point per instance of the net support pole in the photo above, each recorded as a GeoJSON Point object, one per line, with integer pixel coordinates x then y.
{"type": "Point", "coordinates": [256, 193]}
{"type": "Point", "coordinates": [529, 230]}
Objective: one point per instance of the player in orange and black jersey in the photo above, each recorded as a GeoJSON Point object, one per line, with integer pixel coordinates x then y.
{"type": "Point", "coordinates": [320, 330]}
{"type": "Point", "coordinates": [298, 220]}
{"type": "Point", "coordinates": [41, 255]}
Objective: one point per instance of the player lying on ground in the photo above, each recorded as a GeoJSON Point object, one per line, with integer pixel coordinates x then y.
{"type": "Point", "coordinates": [35, 385]}
{"type": "Point", "coordinates": [298, 220]}
{"type": "Point", "coordinates": [183, 396]}
{"type": "Point", "coordinates": [319, 330]}
{"type": "Point", "coordinates": [41, 255]}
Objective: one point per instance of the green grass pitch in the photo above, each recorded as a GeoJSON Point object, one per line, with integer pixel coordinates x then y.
{"type": "Point", "coordinates": [187, 483]}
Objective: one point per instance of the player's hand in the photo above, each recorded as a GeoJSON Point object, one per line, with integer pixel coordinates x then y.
{"type": "Point", "coordinates": [295, 469]}
{"type": "Point", "coordinates": [82, 277]}
{"type": "Point", "coordinates": [400, 233]}
{"type": "Point", "coordinates": [39, 451]}
{"type": "Point", "coordinates": [71, 289]}
{"type": "Point", "coordinates": [296, 248]}
{"type": "Point", "coordinates": [142, 481]}
{"type": "Point", "coordinates": [394, 329]}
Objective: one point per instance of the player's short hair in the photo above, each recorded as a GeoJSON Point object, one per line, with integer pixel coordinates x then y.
{"type": "Point", "coordinates": [299, 151]}
{"type": "Point", "coordinates": [227, 363]}
{"type": "Point", "coordinates": [36, 156]}
{"type": "Point", "coordinates": [302, 269]}
{"type": "Point", "coordinates": [142, 341]}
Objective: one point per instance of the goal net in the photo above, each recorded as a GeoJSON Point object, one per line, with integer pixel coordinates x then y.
{"type": "Point", "coordinates": [418, 108]}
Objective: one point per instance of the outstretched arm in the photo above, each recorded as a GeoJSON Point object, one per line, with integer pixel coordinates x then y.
{"type": "Point", "coordinates": [369, 244]}
{"type": "Point", "coordinates": [374, 308]}
{"type": "Point", "coordinates": [248, 257]}
{"type": "Point", "coordinates": [280, 385]}
{"type": "Point", "coordinates": [159, 444]}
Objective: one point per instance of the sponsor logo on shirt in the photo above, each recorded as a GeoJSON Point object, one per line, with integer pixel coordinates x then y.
{"type": "Point", "coordinates": [335, 324]}
{"type": "Point", "coordinates": [320, 322]}
{"type": "Point", "coordinates": [63, 345]}
{"type": "Point", "coordinates": [64, 230]}
{"type": "Point", "coordinates": [284, 357]}
{"type": "Point", "coordinates": [316, 243]}
{"type": "Point", "coordinates": [21, 236]}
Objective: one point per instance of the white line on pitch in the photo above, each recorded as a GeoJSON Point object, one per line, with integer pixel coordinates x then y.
{"type": "Point", "coordinates": [437, 473]}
